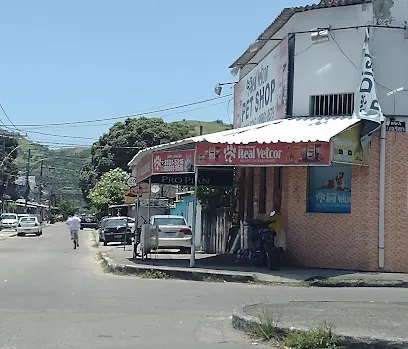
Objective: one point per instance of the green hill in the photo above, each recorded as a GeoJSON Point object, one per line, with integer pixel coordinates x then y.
{"type": "Point", "coordinates": [61, 167]}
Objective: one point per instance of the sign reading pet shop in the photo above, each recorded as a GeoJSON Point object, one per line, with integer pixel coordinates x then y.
{"type": "Point", "coordinates": [256, 154]}
{"type": "Point", "coordinates": [173, 162]}
{"type": "Point", "coordinates": [261, 95]}
{"type": "Point", "coordinates": [330, 189]}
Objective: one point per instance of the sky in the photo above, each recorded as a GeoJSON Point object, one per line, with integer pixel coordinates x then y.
{"type": "Point", "coordinates": [69, 61]}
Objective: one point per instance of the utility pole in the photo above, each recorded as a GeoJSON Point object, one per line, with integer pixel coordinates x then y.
{"type": "Point", "coordinates": [3, 182]}
{"type": "Point", "coordinates": [40, 182]}
{"type": "Point", "coordinates": [27, 191]}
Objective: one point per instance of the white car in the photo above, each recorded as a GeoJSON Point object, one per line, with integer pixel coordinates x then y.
{"type": "Point", "coordinates": [174, 232]}
{"type": "Point", "coordinates": [9, 220]}
{"type": "Point", "coordinates": [29, 225]}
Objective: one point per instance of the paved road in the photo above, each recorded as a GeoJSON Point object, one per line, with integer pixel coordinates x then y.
{"type": "Point", "coordinates": [52, 296]}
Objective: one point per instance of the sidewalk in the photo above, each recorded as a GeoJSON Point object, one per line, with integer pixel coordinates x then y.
{"type": "Point", "coordinates": [5, 234]}
{"type": "Point", "coordinates": [225, 268]}
{"type": "Point", "coordinates": [357, 324]}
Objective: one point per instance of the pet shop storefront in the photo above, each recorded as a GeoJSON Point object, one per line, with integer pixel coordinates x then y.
{"type": "Point", "coordinates": [314, 171]}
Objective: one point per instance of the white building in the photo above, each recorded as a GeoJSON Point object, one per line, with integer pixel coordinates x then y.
{"type": "Point", "coordinates": [332, 67]}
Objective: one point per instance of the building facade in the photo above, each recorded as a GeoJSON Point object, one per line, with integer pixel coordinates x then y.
{"type": "Point", "coordinates": [323, 75]}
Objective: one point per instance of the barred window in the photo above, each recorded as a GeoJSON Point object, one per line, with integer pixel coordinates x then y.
{"type": "Point", "coordinates": [333, 104]}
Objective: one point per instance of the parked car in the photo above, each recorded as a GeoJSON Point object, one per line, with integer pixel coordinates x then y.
{"type": "Point", "coordinates": [29, 225]}
{"type": "Point", "coordinates": [9, 220]}
{"type": "Point", "coordinates": [89, 221]}
{"type": "Point", "coordinates": [115, 229]}
{"type": "Point", "coordinates": [174, 232]}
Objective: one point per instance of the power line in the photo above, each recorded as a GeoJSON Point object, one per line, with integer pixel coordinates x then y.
{"type": "Point", "coordinates": [126, 116]}
{"type": "Point", "coordinates": [109, 124]}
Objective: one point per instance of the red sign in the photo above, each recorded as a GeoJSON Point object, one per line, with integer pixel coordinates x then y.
{"type": "Point", "coordinates": [173, 162]}
{"type": "Point", "coordinates": [255, 154]}
{"type": "Point", "coordinates": [143, 168]}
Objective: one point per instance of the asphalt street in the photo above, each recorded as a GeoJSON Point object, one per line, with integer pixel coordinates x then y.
{"type": "Point", "coordinates": [52, 296]}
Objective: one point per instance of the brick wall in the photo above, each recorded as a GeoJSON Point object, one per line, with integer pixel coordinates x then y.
{"type": "Point", "coordinates": [348, 241]}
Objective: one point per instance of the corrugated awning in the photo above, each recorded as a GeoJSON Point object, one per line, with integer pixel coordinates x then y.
{"type": "Point", "coordinates": [294, 130]}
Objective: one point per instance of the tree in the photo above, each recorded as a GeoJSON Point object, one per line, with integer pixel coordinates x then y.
{"type": "Point", "coordinates": [8, 170]}
{"type": "Point", "coordinates": [67, 208]}
{"type": "Point", "coordinates": [124, 139]}
{"type": "Point", "coordinates": [109, 189]}
{"type": "Point", "coordinates": [212, 198]}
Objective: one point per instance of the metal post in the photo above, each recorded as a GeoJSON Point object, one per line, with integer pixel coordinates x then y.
{"type": "Point", "coordinates": [27, 192]}
{"type": "Point", "coordinates": [127, 227]}
{"type": "Point", "coordinates": [381, 220]}
{"type": "Point", "coordinates": [194, 223]}
{"type": "Point", "coordinates": [148, 203]}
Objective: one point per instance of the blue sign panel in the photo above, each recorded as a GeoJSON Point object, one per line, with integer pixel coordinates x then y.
{"type": "Point", "coordinates": [330, 189]}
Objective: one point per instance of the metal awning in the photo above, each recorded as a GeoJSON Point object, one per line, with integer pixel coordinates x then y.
{"type": "Point", "coordinates": [293, 130]}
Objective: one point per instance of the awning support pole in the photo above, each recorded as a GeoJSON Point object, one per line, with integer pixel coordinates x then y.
{"type": "Point", "coordinates": [148, 203]}
{"type": "Point", "coordinates": [194, 223]}
{"type": "Point", "coordinates": [381, 220]}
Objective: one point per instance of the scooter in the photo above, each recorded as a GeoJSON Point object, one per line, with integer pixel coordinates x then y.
{"type": "Point", "coordinates": [265, 252]}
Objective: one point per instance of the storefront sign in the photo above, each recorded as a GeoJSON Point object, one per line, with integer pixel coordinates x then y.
{"type": "Point", "coordinates": [261, 95]}
{"type": "Point", "coordinates": [173, 162]}
{"type": "Point", "coordinates": [144, 168]}
{"type": "Point", "coordinates": [347, 148]}
{"type": "Point", "coordinates": [330, 189]}
{"type": "Point", "coordinates": [255, 154]}
{"type": "Point", "coordinates": [206, 178]}
{"type": "Point", "coordinates": [396, 125]}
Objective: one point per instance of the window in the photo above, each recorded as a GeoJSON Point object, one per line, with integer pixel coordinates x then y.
{"type": "Point", "coordinates": [332, 105]}
{"type": "Point", "coordinates": [330, 189]}
{"type": "Point", "coordinates": [170, 221]}
{"type": "Point", "coordinates": [262, 190]}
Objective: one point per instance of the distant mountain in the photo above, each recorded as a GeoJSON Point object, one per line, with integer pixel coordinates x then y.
{"type": "Point", "coordinates": [61, 167]}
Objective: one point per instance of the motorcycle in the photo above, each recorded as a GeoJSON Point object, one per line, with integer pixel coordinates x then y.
{"type": "Point", "coordinates": [264, 252]}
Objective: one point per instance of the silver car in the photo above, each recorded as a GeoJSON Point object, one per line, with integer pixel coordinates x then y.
{"type": "Point", "coordinates": [174, 232]}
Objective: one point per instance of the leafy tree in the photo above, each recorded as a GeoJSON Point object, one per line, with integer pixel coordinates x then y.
{"type": "Point", "coordinates": [124, 139]}
{"type": "Point", "coordinates": [8, 170]}
{"type": "Point", "coordinates": [109, 189]}
{"type": "Point", "coordinates": [67, 208]}
{"type": "Point", "coordinates": [212, 198]}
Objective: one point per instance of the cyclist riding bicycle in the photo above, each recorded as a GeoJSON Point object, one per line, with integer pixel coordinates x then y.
{"type": "Point", "coordinates": [74, 224]}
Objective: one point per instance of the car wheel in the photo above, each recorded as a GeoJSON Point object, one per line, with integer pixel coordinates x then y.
{"type": "Point", "coordinates": [20, 234]}
{"type": "Point", "coordinates": [105, 243]}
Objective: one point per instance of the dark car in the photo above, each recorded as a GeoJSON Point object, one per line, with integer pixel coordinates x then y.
{"type": "Point", "coordinates": [89, 221]}
{"type": "Point", "coordinates": [115, 230]}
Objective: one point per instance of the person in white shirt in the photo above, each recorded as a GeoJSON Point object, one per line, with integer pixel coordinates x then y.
{"type": "Point", "coordinates": [74, 226]}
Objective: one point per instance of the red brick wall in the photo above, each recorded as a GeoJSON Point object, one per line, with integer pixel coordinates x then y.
{"type": "Point", "coordinates": [348, 241]}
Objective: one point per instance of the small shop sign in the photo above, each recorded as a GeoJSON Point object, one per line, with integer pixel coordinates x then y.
{"type": "Point", "coordinates": [256, 154]}
{"type": "Point", "coordinates": [144, 168]}
{"type": "Point", "coordinates": [173, 162]}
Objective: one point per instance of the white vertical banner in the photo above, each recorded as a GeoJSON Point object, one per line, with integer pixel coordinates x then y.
{"type": "Point", "coordinates": [366, 105]}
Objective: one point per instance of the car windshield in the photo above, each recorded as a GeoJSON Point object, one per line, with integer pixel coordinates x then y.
{"type": "Point", "coordinates": [9, 216]}
{"type": "Point", "coordinates": [170, 221]}
{"type": "Point", "coordinates": [27, 220]}
{"type": "Point", "coordinates": [112, 223]}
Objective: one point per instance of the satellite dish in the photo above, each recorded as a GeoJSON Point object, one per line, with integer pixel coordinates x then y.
{"type": "Point", "coordinates": [155, 189]}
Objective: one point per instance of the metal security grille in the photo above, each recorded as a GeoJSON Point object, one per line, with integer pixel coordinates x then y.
{"type": "Point", "coordinates": [334, 104]}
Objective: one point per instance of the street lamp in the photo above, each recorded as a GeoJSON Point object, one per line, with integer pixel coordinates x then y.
{"type": "Point", "coordinates": [218, 87]}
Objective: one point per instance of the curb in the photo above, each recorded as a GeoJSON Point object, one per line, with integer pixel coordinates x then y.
{"type": "Point", "coordinates": [244, 322]}
{"type": "Point", "coordinates": [219, 276]}
{"type": "Point", "coordinates": [193, 275]}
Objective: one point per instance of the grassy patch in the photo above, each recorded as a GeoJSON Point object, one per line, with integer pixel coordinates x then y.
{"type": "Point", "coordinates": [99, 256]}
{"type": "Point", "coordinates": [153, 274]}
{"type": "Point", "coordinates": [320, 281]}
{"type": "Point", "coordinates": [212, 279]}
{"type": "Point", "coordinates": [315, 338]}
{"type": "Point", "coordinates": [267, 328]}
